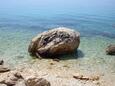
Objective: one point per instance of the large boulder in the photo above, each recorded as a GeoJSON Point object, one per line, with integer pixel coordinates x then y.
{"type": "Point", "coordinates": [54, 42]}
{"type": "Point", "coordinates": [110, 50]}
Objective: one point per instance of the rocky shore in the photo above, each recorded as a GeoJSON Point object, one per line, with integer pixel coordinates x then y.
{"type": "Point", "coordinates": [16, 78]}
{"type": "Point", "coordinates": [27, 76]}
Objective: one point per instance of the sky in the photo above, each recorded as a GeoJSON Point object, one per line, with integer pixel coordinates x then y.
{"type": "Point", "coordinates": [55, 3]}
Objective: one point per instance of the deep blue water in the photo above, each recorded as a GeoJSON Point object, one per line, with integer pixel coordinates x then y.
{"type": "Point", "coordinates": [86, 24]}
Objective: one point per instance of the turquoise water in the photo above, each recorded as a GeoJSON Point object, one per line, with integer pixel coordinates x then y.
{"type": "Point", "coordinates": [16, 31]}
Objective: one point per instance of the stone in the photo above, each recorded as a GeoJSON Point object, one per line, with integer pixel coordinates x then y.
{"type": "Point", "coordinates": [37, 82]}
{"type": "Point", "coordinates": [18, 75]}
{"type": "Point", "coordinates": [56, 59]}
{"type": "Point", "coordinates": [4, 69]}
{"type": "Point", "coordinates": [54, 42]}
{"type": "Point", "coordinates": [1, 62]}
{"type": "Point", "coordinates": [11, 78]}
{"type": "Point", "coordinates": [110, 50]}
{"type": "Point", "coordinates": [84, 77]}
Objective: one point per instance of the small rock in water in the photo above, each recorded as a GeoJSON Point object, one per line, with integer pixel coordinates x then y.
{"type": "Point", "coordinates": [56, 59]}
{"type": "Point", "coordinates": [18, 75]}
{"type": "Point", "coordinates": [4, 69]}
{"type": "Point", "coordinates": [37, 82]}
{"type": "Point", "coordinates": [1, 62]}
{"type": "Point", "coordinates": [110, 50]}
{"type": "Point", "coordinates": [20, 56]}
{"type": "Point", "coordinates": [54, 42]}
{"type": "Point", "coordinates": [66, 66]}
{"type": "Point", "coordinates": [82, 77]}
{"type": "Point", "coordinates": [51, 63]}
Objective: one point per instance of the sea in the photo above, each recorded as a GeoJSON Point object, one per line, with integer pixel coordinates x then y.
{"type": "Point", "coordinates": [96, 27]}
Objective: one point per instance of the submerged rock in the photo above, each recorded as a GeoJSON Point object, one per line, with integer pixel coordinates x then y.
{"type": "Point", "coordinates": [83, 77]}
{"type": "Point", "coordinates": [1, 62]}
{"type": "Point", "coordinates": [54, 42]}
{"type": "Point", "coordinates": [110, 50]}
{"type": "Point", "coordinates": [37, 82]}
{"type": "Point", "coordinates": [4, 69]}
